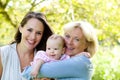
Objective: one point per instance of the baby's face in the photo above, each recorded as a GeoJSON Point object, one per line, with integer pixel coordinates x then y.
{"type": "Point", "coordinates": [54, 49]}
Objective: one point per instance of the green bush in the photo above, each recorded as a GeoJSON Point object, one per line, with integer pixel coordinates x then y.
{"type": "Point", "coordinates": [107, 64]}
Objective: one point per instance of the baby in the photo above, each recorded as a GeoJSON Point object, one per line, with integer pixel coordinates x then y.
{"type": "Point", "coordinates": [55, 48]}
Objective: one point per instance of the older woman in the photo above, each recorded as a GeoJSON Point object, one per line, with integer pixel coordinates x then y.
{"type": "Point", "coordinates": [79, 37]}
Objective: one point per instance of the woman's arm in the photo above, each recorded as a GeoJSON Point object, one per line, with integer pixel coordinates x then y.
{"type": "Point", "coordinates": [0, 66]}
{"type": "Point", "coordinates": [75, 67]}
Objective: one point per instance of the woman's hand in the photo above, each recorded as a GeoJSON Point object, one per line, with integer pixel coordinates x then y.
{"type": "Point", "coordinates": [87, 54]}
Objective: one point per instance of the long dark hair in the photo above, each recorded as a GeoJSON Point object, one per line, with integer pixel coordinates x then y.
{"type": "Point", "coordinates": [47, 30]}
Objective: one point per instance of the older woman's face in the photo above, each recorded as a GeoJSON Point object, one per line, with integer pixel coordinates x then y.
{"type": "Point", "coordinates": [75, 41]}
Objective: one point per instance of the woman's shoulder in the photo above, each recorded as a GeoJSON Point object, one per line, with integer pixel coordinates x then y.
{"type": "Point", "coordinates": [7, 48]}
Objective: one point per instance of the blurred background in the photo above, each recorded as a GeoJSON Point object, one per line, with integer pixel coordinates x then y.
{"type": "Point", "coordinates": [104, 15]}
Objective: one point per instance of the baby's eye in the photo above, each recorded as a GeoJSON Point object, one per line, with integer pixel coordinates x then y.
{"type": "Point", "coordinates": [48, 48]}
{"type": "Point", "coordinates": [56, 49]}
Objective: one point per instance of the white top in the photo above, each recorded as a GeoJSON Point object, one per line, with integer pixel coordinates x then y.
{"type": "Point", "coordinates": [11, 63]}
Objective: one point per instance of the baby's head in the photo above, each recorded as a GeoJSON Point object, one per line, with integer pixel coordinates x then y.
{"type": "Point", "coordinates": [55, 46]}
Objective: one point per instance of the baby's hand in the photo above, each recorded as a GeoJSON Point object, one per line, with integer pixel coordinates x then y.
{"type": "Point", "coordinates": [87, 54]}
{"type": "Point", "coordinates": [34, 73]}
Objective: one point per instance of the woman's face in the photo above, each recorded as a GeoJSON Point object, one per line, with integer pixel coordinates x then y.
{"type": "Point", "coordinates": [75, 41]}
{"type": "Point", "coordinates": [32, 33]}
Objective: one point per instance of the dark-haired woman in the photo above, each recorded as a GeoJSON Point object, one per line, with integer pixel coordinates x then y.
{"type": "Point", "coordinates": [30, 37]}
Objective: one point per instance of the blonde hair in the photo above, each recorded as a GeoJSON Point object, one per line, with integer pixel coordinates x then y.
{"type": "Point", "coordinates": [88, 32]}
{"type": "Point", "coordinates": [56, 36]}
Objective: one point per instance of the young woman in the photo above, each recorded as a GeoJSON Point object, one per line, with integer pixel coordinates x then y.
{"type": "Point", "coordinates": [31, 36]}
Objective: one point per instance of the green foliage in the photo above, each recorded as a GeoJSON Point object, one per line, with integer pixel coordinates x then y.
{"type": "Point", "coordinates": [104, 15]}
{"type": "Point", "coordinates": [106, 64]}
